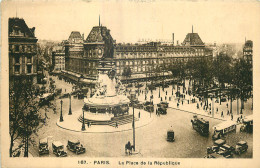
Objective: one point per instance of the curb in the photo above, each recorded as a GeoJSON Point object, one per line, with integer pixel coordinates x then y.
{"type": "Point", "coordinates": [105, 132]}
{"type": "Point", "coordinates": [197, 114]}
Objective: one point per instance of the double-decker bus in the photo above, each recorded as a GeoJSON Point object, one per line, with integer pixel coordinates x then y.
{"type": "Point", "coordinates": [200, 125]}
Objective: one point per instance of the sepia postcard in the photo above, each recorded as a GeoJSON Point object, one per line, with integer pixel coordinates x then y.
{"type": "Point", "coordinates": [131, 83]}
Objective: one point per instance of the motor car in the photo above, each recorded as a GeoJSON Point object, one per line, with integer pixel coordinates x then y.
{"type": "Point", "coordinates": [58, 149]}
{"type": "Point", "coordinates": [163, 104]}
{"type": "Point", "coordinates": [170, 136]}
{"type": "Point", "coordinates": [241, 147]}
{"type": "Point", "coordinates": [149, 108]}
{"type": "Point", "coordinates": [219, 142]}
{"type": "Point", "coordinates": [226, 151]}
{"type": "Point", "coordinates": [43, 146]}
{"type": "Point", "coordinates": [75, 146]}
{"type": "Point", "coordinates": [162, 110]}
{"type": "Point", "coordinates": [139, 106]}
{"type": "Point", "coordinates": [212, 149]}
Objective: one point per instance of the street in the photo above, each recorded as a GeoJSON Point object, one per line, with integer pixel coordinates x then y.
{"type": "Point", "coordinates": [150, 139]}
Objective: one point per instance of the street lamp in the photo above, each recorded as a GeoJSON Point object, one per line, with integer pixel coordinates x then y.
{"type": "Point", "coordinates": [61, 117]}
{"type": "Point", "coordinates": [133, 125]}
{"type": "Point", "coordinates": [70, 112]}
{"type": "Point", "coordinates": [83, 122]}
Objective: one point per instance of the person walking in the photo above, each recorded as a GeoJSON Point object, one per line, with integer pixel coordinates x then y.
{"type": "Point", "coordinates": [116, 125]}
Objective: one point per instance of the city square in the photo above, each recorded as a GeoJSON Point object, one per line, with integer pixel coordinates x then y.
{"type": "Point", "coordinates": [89, 96]}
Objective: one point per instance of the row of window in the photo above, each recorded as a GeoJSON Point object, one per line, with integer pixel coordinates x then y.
{"type": "Point", "coordinates": [165, 48]}
{"type": "Point", "coordinates": [18, 59]}
{"type": "Point", "coordinates": [17, 69]}
{"type": "Point", "coordinates": [154, 55]}
{"type": "Point", "coordinates": [22, 48]}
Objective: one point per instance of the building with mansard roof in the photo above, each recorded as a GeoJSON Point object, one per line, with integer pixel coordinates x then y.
{"type": "Point", "coordinates": [146, 61]}
{"type": "Point", "coordinates": [22, 50]}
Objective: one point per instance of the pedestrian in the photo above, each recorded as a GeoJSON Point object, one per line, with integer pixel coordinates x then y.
{"type": "Point", "coordinates": [88, 124]}
{"type": "Point", "coordinates": [222, 114]}
{"type": "Point", "coordinates": [139, 114]}
{"type": "Point", "coordinates": [238, 120]}
{"type": "Point", "coordinates": [116, 125]}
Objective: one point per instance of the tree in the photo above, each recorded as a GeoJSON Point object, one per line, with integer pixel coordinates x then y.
{"type": "Point", "coordinates": [24, 117]}
{"type": "Point", "coordinates": [242, 79]}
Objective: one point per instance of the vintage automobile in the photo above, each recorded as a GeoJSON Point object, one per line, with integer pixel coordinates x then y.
{"type": "Point", "coordinates": [247, 125]}
{"type": "Point", "coordinates": [148, 106]}
{"type": "Point", "coordinates": [58, 149]}
{"type": "Point", "coordinates": [75, 146]}
{"type": "Point", "coordinates": [139, 106]}
{"type": "Point", "coordinates": [43, 146]}
{"type": "Point", "coordinates": [226, 151]}
{"type": "Point", "coordinates": [241, 147]}
{"type": "Point", "coordinates": [170, 136]}
{"type": "Point", "coordinates": [162, 110]}
{"type": "Point", "coordinates": [163, 104]}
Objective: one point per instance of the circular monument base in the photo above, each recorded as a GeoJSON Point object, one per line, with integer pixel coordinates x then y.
{"type": "Point", "coordinates": [72, 123]}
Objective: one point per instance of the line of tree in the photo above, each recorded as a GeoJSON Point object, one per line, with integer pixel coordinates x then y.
{"type": "Point", "coordinates": [217, 72]}
{"type": "Point", "coordinates": [24, 117]}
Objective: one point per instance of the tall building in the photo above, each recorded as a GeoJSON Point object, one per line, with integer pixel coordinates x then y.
{"type": "Point", "coordinates": [248, 51]}
{"type": "Point", "coordinates": [58, 59]}
{"type": "Point", "coordinates": [22, 50]}
{"type": "Point", "coordinates": [149, 60]}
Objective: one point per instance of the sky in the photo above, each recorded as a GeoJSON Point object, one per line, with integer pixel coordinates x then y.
{"type": "Point", "coordinates": [130, 21]}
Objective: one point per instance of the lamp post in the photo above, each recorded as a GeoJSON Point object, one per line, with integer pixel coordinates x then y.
{"type": "Point", "coordinates": [70, 112]}
{"type": "Point", "coordinates": [83, 122]}
{"type": "Point", "coordinates": [61, 117]}
{"type": "Point", "coordinates": [133, 125]}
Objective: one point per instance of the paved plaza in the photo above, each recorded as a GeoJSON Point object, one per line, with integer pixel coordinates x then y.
{"type": "Point", "coordinates": [150, 130]}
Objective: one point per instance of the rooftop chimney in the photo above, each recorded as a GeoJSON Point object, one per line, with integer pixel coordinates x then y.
{"type": "Point", "coordinates": [173, 38]}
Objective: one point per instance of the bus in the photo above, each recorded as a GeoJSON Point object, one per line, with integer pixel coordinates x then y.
{"type": "Point", "coordinates": [200, 125]}
{"type": "Point", "coordinates": [223, 128]}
